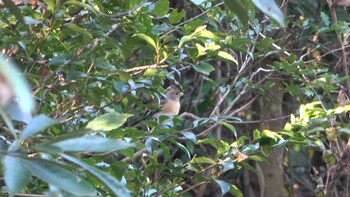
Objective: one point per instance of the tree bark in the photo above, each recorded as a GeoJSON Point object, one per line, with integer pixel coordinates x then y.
{"type": "Point", "coordinates": [271, 173]}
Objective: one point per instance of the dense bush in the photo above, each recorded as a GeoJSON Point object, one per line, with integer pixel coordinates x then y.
{"type": "Point", "coordinates": [265, 88]}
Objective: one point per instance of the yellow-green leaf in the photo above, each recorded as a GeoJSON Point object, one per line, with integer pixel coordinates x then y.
{"type": "Point", "coordinates": [148, 39]}
{"type": "Point", "coordinates": [227, 56]}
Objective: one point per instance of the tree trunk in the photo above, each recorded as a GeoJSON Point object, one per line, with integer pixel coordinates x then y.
{"type": "Point", "coordinates": [271, 173]}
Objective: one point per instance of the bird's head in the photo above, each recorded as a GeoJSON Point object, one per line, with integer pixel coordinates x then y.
{"type": "Point", "coordinates": [173, 93]}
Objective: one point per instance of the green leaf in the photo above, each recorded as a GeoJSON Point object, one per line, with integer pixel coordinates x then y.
{"type": "Point", "coordinates": [204, 68]}
{"type": "Point", "coordinates": [271, 9]}
{"type": "Point", "coordinates": [227, 56]}
{"type": "Point", "coordinates": [220, 145]}
{"type": "Point", "coordinates": [257, 158]}
{"type": "Point", "coordinates": [15, 175]}
{"type": "Point", "coordinates": [31, 21]}
{"type": "Point", "coordinates": [185, 39]}
{"type": "Point", "coordinates": [14, 78]}
{"type": "Point", "coordinates": [230, 127]}
{"type": "Point", "coordinates": [73, 75]}
{"type": "Point", "coordinates": [176, 17]}
{"type": "Point", "coordinates": [121, 87]}
{"type": "Point", "coordinates": [182, 147]}
{"type": "Point", "coordinates": [325, 19]}
{"type": "Point", "coordinates": [165, 149]}
{"type": "Point", "coordinates": [112, 183]}
{"type": "Point", "coordinates": [148, 39]}
{"type": "Point", "coordinates": [239, 7]}
{"type": "Point", "coordinates": [198, 2]}
{"type": "Point", "coordinates": [81, 4]}
{"type": "Point", "coordinates": [15, 11]}
{"type": "Point", "coordinates": [107, 122]}
{"type": "Point", "coordinates": [207, 34]}
{"type": "Point", "coordinates": [224, 186]}
{"type": "Point", "coordinates": [78, 29]}
{"type": "Point", "coordinates": [57, 175]}
{"type": "Point", "coordinates": [50, 4]}
{"type": "Point", "coordinates": [271, 134]}
{"type": "Point", "coordinates": [189, 135]}
{"type": "Point", "coordinates": [91, 144]}
{"type": "Point", "coordinates": [256, 134]}
{"type": "Point", "coordinates": [344, 130]}
{"type": "Point", "coordinates": [161, 8]}
{"type": "Point", "coordinates": [203, 160]}
{"type": "Point", "coordinates": [37, 124]}
{"type": "Point", "coordinates": [235, 191]}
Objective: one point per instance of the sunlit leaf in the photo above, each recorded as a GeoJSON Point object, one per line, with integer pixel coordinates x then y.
{"type": "Point", "coordinates": [184, 39]}
{"type": "Point", "coordinates": [106, 122]}
{"type": "Point", "coordinates": [227, 56]}
{"type": "Point", "coordinates": [271, 134]}
{"type": "Point", "coordinates": [256, 134]}
{"type": "Point", "coordinates": [203, 160]}
{"type": "Point", "coordinates": [161, 8]}
{"type": "Point", "coordinates": [204, 68]}
{"type": "Point", "coordinates": [176, 17]}
{"type": "Point", "coordinates": [207, 34]}
{"type": "Point", "coordinates": [148, 39]}
{"type": "Point", "coordinates": [235, 191]}
{"type": "Point", "coordinates": [257, 158]}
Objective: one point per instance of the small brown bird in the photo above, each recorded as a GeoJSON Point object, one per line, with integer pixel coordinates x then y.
{"type": "Point", "coordinates": [170, 105]}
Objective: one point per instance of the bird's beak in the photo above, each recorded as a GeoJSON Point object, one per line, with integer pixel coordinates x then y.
{"type": "Point", "coordinates": [181, 94]}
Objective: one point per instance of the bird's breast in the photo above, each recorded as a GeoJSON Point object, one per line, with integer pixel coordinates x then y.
{"type": "Point", "coordinates": [171, 108]}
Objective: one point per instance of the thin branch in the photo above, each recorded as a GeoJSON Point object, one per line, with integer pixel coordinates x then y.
{"type": "Point", "coordinates": [245, 89]}
{"type": "Point", "coordinates": [245, 106]}
{"type": "Point", "coordinates": [189, 20]}
{"type": "Point", "coordinates": [342, 46]}
{"type": "Point", "coordinates": [189, 115]}
{"type": "Point", "coordinates": [141, 68]}
{"type": "Point", "coordinates": [117, 16]}
{"type": "Point", "coordinates": [258, 121]}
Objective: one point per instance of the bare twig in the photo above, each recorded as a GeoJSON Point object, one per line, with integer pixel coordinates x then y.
{"type": "Point", "coordinates": [141, 68]}
{"type": "Point", "coordinates": [189, 115]}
